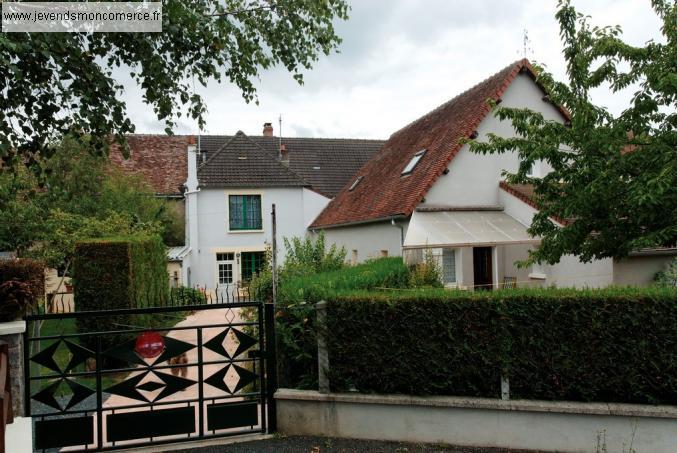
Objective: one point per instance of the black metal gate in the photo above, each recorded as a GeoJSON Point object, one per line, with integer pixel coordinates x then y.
{"type": "Point", "coordinates": [132, 385]}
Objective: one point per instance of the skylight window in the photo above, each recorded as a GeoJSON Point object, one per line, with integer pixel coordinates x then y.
{"type": "Point", "coordinates": [357, 181]}
{"type": "Point", "coordinates": [413, 162]}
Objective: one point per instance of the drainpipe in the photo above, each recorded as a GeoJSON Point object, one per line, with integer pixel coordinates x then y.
{"type": "Point", "coordinates": [191, 225]}
{"type": "Point", "coordinates": [395, 224]}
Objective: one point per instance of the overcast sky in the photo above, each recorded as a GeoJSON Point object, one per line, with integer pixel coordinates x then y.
{"type": "Point", "coordinates": [400, 59]}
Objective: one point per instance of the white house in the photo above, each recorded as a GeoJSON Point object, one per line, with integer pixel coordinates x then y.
{"type": "Point", "coordinates": [230, 190]}
{"type": "Point", "coordinates": [425, 190]}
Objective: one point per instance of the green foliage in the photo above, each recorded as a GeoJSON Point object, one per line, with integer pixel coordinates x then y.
{"type": "Point", "coordinates": [378, 273]}
{"type": "Point", "coordinates": [63, 230]}
{"type": "Point", "coordinates": [309, 255]}
{"type": "Point", "coordinates": [81, 198]}
{"type": "Point", "coordinates": [426, 272]}
{"type": "Point", "coordinates": [72, 73]}
{"type": "Point", "coordinates": [614, 177]}
{"type": "Point", "coordinates": [22, 286]}
{"type": "Point", "coordinates": [297, 341]}
{"type": "Point", "coordinates": [668, 276]}
{"type": "Point", "coordinates": [19, 211]}
{"type": "Point", "coordinates": [616, 345]}
{"type": "Point", "coordinates": [114, 273]}
{"type": "Point", "coordinates": [187, 296]}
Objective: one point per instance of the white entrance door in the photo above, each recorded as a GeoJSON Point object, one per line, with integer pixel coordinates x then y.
{"type": "Point", "coordinates": [226, 274]}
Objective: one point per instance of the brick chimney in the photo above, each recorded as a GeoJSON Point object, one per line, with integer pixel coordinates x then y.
{"type": "Point", "coordinates": [268, 129]}
{"type": "Point", "coordinates": [284, 154]}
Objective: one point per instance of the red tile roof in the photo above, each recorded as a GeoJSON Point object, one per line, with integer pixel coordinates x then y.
{"type": "Point", "coordinates": [325, 164]}
{"type": "Point", "coordinates": [383, 192]}
{"type": "Point", "coordinates": [160, 159]}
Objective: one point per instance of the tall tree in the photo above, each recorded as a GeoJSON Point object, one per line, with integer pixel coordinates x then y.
{"type": "Point", "coordinates": [81, 197]}
{"type": "Point", "coordinates": [54, 83]}
{"type": "Point", "coordinates": [614, 177]}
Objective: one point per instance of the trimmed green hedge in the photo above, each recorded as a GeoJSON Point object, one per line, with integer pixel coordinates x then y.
{"type": "Point", "coordinates": [605, 345]}
{"type": "Point", "coordinates": [120, 272]}
{"type": "Point", "coordinates": [297, 341]}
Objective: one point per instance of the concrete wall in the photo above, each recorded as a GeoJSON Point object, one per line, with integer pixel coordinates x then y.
{"type": "Point", "coordinates": [538, 425]}
{"type": "Point", "coordinates": [570, 272]}
{"type": "Point", "coordinates": [295, 208]}
{"type": "Point", "coordinates": [368, 240]}
{"type": "Point", "coordinates": [639, 270]}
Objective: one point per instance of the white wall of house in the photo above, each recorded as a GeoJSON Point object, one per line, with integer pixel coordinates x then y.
{"type": "Point", "coordinates": [369, 240]}
{"type": "Point", "coordinates": [293, 207]}
{"type": "Point", "coordinates": [313, 204]}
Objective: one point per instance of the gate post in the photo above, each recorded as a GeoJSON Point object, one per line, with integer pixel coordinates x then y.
{"type": "Point", "coordinates": [271, 365]}
{"type": "Point", "coordinates": [13, 334]}
{"type": "Point", "coordinates": [322, 352]}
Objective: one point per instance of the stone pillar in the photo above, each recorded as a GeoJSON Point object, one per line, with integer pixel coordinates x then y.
{"type": "Point", "coordinates": [12, 334]}
{"type": "Point", "coordinates": [322, 352]}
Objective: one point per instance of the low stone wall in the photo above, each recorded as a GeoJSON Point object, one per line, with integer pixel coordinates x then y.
{"type": "Point", "coordinates": [519, 424]}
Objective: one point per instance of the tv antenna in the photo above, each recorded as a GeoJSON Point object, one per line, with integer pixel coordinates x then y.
{"type": "Point", "coordinates": [526, 44]}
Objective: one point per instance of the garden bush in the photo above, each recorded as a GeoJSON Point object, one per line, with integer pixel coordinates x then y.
{"type": "Point", "coordinates": [115, 273]}
{"type": "Point", "coordinates": [615, 345]}
{"type": "Point", "coordinates": [22, 287]}
{"type": "Point", "coordinates": [297, 296]}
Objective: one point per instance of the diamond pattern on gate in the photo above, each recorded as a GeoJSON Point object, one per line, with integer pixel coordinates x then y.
{"type": "Point", "coordinates": [231, 343]}
{"type": "Point", "coordinates": [150, 386]}
{"type": "Point", "coordinates": [231, 378]}
{"type": "Point", "coordinates": [76, 353]}
{"type": "Point", "coordinates": [55, 395]}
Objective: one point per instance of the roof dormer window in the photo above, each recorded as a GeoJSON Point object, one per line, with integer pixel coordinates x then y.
{"type": "Point", "coordinates": [413, 162]}
{"type": "Point", "coordinates": [356, 182]}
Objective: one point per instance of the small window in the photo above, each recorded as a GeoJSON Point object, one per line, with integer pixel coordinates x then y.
{"type": "Point", "coordinates": [413, 162]}
{"type": "Point", "coordinates": [225, 257]}
{"type": "Point", "coordinates": [244, 212]}
{"type": "Point", "coordinates": [357, 181]}
{"type": "Point", "coordinates": [449, 266]}
{"type": "Point", "coordinates": [384, 253]}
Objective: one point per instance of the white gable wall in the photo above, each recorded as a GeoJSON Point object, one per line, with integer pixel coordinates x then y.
{"type": "Point", "coordinates": [313, 204]}
{"type": "Point", "coordinates": [473, 178]}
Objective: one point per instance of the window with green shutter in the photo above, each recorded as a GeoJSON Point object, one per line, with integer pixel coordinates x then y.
{"type": "Point", "coordinates": [244, 212]}
{"type": "Point", "coordinates": [252, 262]}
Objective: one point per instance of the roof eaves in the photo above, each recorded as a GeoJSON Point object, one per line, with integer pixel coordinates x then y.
{"type": "Point", "coordinates": [313, 226]}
